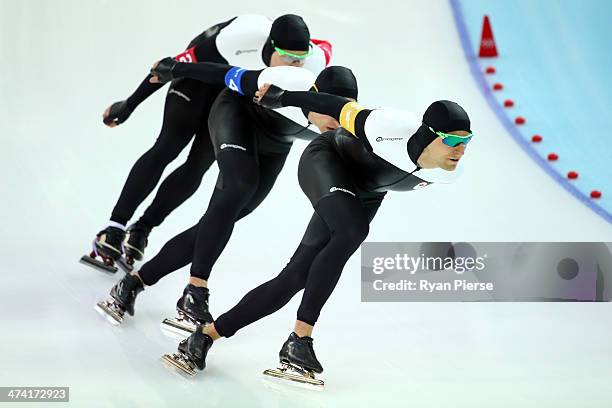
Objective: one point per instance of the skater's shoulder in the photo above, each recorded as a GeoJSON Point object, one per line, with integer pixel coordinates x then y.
{"type": "Point", "coordinates": [251, 24]}
{"type": "Point", "coordinates": [288, 78]}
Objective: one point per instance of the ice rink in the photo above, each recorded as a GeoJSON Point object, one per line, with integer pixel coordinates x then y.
{"type": "Point", "coordinates": [64, 62]}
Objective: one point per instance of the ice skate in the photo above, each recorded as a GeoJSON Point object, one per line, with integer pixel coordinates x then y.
{"type": "Point", "coordinates": [108, 246]}
{"type": "Point", "coordinates": [192, 310]}
{"type": "Point", "coordinates": [136, 239]}
{"type": "Point", "coordinates": [191, 354]}
{"type": "Point", "coordinates": [123, 296]}
{"type": "Point", "coordinates": [298, 363]}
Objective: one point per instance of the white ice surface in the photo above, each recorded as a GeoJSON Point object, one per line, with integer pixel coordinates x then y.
{"type": "Point", "coordinates": [64, 61]}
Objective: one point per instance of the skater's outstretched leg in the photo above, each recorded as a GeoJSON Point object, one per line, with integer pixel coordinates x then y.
{"type": "Point", "coordinates": [350, 228]}
{"type": "Point", "coordinates": [182, 119]}
{"type": "Point", "coordinates": [270, 296]}
{"type": "Point", "coordinates": [174, 255]}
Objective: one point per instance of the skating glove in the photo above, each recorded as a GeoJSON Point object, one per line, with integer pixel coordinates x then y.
{"type": "Point", "coordinates": [164, 69]}
{"type": "Point", "coordinates": [272, 99]}
{"type": "Point", "coordinates": [119, 112]}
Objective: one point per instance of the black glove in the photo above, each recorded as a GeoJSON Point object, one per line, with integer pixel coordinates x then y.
{"type": "Point", "coordinates": [272, 98]}
{"type": "Point", "coordinates": [164, 68]}
{"type": "Point", "coordinates": [119, 112]}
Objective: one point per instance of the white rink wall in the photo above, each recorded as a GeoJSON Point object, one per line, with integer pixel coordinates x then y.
{"type": "Point", "coordinates": [62, 170]}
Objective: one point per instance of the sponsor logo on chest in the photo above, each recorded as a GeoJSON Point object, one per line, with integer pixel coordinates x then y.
{"type": "Point", "coordinates": [388, 139]}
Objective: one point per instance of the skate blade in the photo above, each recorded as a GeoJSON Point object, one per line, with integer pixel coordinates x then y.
{"type": "Point", "coordinates": [178, 362]}
{"type": "Point", "coordinates": [124, 265]}
{"type": "Point", "coordinates": [99, 265]}
{"type": "Point", "coordinates": [108, 313]}
{"type": "Point", "coordinates": [177, 329]}
{"type": "Point", "coordinates": [292, 377]}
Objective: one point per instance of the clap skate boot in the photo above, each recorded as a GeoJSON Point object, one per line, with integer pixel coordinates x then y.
{"type": "Point", "coordinates": [298, 362]}
{"type": "Point", "coordinates": [136, 240]}
{"type": "Point", "coordinates": [123, 296]}
{"type": "Point", "coordinates": [191, 355]}
{"type": "Point", "coordinates": [108, 246]}
{"type": "Point", "coordinates": [192, 310]}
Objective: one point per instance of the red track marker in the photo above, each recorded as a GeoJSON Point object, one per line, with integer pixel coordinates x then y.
{"type": "Point", "coordinates": [595, 194]}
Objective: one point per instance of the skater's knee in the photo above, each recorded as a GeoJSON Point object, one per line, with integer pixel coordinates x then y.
{"type": "Point", "coordinates": [293, 277]}
{"type": "Point", "coordinates": [305, 254]}
{"type": "Point", "coordinates": [167, 147]}
{"type": "Point", "coordinates": [239, 172]}
{"type": "Point", "coordinates": [244, 212]}
{"type": "Point", "coordinates": [198, 164]}
{"type": "Point", "coordinates": [196, 170]}
{"type": "Point", "coordinates": [240, 189]}
{"type": "Point", "coordinates": [353, 233]}
{"type": "Point", "coordinates": [162, 153]}
{"type": "Point", "coordinates": [291, 280]}
{"type": "Point", "coordinates": [191, 174]}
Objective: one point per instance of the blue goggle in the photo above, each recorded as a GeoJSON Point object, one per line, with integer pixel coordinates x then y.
{"type": "Point", "coordinates": [453, 140]}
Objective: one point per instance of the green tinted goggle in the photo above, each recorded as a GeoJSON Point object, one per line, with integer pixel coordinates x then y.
{"type": "Point", "coordinates": [453, 140]}
{"type": "Point", "coordinates": [291, 57]}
